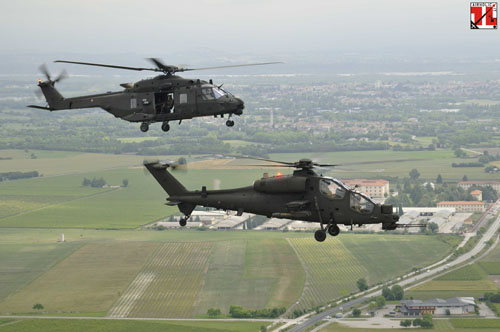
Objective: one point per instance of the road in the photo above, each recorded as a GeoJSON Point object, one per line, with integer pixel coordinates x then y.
{"type": "Point", "coordinates": [430, 272]}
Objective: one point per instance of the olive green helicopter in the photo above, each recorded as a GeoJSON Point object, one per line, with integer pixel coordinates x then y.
{"type": "Point", "coordinates": [303, 195]}
{"type": "Point", "coordinates": [164, 98]}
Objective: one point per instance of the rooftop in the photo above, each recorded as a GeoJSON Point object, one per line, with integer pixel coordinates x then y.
{"type": "Point", "coordinates": [460, 203]}
{"type": "Point", "coordinates": [366, 182]}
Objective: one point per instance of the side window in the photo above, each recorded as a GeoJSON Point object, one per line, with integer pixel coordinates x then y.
{"type": "Point", "coordinates": [207, 94]}
{"type": "Point", "coordinates": [330, 189]}
{"type": "Point", "coordinates": [360, 204]}
{"type": "Point", "coordinates": [183, 98]}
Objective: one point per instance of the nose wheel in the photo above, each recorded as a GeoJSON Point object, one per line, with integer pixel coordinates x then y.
{"type": "Point", "coordinates": [183, 221]}
{"type": "Point", "coordinates": [144, 127]}
{"type": "Point", "coordinates": [229, 123]}
{"type": "Point", "coordinates": [165, 126]}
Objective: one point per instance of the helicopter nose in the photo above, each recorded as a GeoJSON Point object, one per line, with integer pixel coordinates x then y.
{"type": "Point", "coordinates": [240, 104]}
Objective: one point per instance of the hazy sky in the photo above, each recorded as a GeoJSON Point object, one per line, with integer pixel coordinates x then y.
{"type": "Point", "coordinates": [266, 27]}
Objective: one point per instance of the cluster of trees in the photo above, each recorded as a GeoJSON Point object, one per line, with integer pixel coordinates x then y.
{"type": "Point", "coordinates": [18, 175]}
{"type": "Point", "coordinates": [94, 183]}
{"type": "Point", "coordinates": [362, 284]}
{"type": "Point", "coordinates": [424, 322]}
{"type": "Point", "coordinates": [395, 293]}
{"type": "Point", "coordinates": [213, 312]}
{"type": "Point", "coordinates": [491, 299]}
{"type": "Point", "coordinates": [237, 311]}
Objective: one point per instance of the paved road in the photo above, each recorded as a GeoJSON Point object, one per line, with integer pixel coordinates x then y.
{"type": "Point", "coordinates": [430, 271]}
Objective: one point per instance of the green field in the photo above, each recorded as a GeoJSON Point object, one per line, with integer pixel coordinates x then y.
{"type": "Point", "coordinates": [168, 285]}
{"type": "Point", "coordinates": [476, 323]}
{"type": "Point", "coordinates": [373, 164]}
{"type": "Point", "coordinates": [183, 273]}
{"type": "Point", "coordinates": [75, 325]}
{"type": "Point", "coordinates": [89, 280]}
{"type": "Point", "coordinates": [468, 272]}
{"type": "Point", "coordinates": [490, 267]}
{"type": "Point", "coordinates": [451, 288]}
{"type": "Point", "coordinates": [335, 266]}
{"type": "Point", "coordinates": [22, 263]}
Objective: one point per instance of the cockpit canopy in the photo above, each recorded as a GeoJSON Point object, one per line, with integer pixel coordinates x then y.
{"type": "Point", "coordinates": [332, 188]}
{"type": "Point", "coordinates": [335, 189]}
{"type": "Point", "coordinates": [210, 92]}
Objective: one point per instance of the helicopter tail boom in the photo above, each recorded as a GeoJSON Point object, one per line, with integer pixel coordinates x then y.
{"type": "Point", "coordinates": [168, 182]}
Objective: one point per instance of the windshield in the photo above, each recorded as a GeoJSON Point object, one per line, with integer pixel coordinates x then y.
{"type": "Point", "coordinates": [361, 203]}
{"type": "Point", "coordinates": [331, 189]}
{"type": "Point", "coordinates": [218, 92]}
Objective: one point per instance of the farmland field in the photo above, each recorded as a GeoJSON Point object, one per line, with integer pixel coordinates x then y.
{"type": "Point", "coordinates": [22, 263]}
{"type": "Point", "coordinates": [145, 273]}
{"type": "Point", "coordinates": [491, 267]}
{"type": "Point", "coordinates": [246, 273]}
{"type": "Point", "coordinates": [332, 271]}
{"type": "Point", "coordinates": [451, 288]}
{"type": "Point", "coordinates": [75, 325]}
{"type": "Point", "coordinates": [89, 280]}
{"type": "Point", "coordinates": [468, 272]}
{"type": "Point", "coordinates": [168, 284]}
{"type": "Point", "coordinates": [378, 254]}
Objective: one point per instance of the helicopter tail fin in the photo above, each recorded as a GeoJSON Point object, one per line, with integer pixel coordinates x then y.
{"type": "Point", "coordinates": [54, 99]}
{"type": "Point", "coordinates": [168, 182]}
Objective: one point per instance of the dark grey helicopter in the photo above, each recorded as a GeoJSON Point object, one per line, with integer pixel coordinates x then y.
{"type": "Point", "coordinates": [303, 195]}
{"type": "Point", "coordinates": [163, 98]}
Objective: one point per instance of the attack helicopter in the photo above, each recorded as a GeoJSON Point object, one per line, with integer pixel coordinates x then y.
{"type": "Point", "coordinates": [164, 98]}
{"type": "Point", "coordinates": [303, 195]}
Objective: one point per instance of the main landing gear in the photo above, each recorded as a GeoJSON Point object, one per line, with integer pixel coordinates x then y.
{"type": "Point", "coordinates": [229, 123]}
{"type": "Point", "coordinates": [332, 229]}
{"type": "Point", "coordinates": [144, 127]}
{"type": "Point", "coordinates": [183, 220]}
{"type": "Point", "coordinates": [165, 126]}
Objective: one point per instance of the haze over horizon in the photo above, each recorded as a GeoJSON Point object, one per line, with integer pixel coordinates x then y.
{"type": "Point", "coordinates": [222, 31]}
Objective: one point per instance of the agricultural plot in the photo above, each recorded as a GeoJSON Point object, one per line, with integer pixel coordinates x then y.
{"type": "Point", "coordinates": [451, 288]}
{"type": "Point", "coordinates": [89, 280]}
{"type": "Point", "coordinates": [77, 325]}
{"type": "Point", "coordinates": [373, 164]}
{"type": "Point", "coordinates": [72, 205]}
{"type": "Point", "coordinates": [475, 323]}
{"type": "Point", "coordinates": [491, 267]}
{"type": "Point", "coordinates": [22, 263]}
{"type": "Point", "coordinates": [253, 273]}
{"type": "Point", "coordinates": [331, 268]}
{"type": "Point", "coordinates": [169, 283]}
{"type": "Point", "coordinates": [469, 272]}
{"type": "Point", "coordinates": [385, 256]}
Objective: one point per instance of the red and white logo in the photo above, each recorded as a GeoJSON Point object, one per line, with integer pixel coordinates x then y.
{"type": "Point", "coordinates": [483, 15]}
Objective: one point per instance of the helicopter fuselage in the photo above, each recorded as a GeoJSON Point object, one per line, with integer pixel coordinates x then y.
{"type": "Point", "coordinates": [160, 99]}
{"type": "Point", "coordinates": [302, 196]}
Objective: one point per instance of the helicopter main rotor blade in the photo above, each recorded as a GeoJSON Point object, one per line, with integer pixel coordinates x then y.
{"type": "Point", "coordinates": [263, 159]}
{"type": "Point", "coordinates": [109, 66]}
{"type": "Point", "coordinates": [231, 66]}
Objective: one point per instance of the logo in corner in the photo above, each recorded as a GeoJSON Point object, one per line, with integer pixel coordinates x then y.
{"type": "Point", "coordinates": [483, 15]}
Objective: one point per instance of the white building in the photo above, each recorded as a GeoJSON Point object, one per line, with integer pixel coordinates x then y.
{"type": "Point", "coordinates": [373, 188]}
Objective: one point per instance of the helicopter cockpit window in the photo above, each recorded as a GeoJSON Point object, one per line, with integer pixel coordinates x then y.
{"type": "Point", "coordinates": [218, 93]}
{"type": "Point", "coordinates": [331, 189]}
{"type": "Point", "coordinates": [361, 203]}
{"type": "Point", "coordinates": [207, 94]}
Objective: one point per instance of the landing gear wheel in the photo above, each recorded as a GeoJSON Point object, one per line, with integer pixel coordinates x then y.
{"type": "Point", "coordinates": [320, 235]}
{"type": "Point", "coordinates": [183, 222]}
{"type": "Point", "coordinates": [144, 127]}
{"type": "Point", "coordinates": [229, 123]}
{"type": "Point", "coordinates": [333, 230]}
{"type": "Point", "coordinates": [165, 126]}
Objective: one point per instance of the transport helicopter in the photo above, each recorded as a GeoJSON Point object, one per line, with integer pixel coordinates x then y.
{"type": "Point", "coordinates": [303, 195]}
{"type": "Point", "coordinates": [164, 98]}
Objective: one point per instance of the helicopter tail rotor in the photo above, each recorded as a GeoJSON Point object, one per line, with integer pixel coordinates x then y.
{"type": "Point", "coordinates": [44, 70]}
